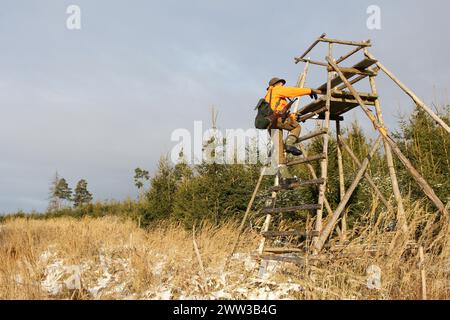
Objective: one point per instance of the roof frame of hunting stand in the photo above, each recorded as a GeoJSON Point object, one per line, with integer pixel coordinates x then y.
{"type": "Point", "coordinates": [339, 97]}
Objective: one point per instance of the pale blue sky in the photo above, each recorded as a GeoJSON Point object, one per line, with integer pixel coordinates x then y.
{"type": "Point", "coordinates": [98, 102]}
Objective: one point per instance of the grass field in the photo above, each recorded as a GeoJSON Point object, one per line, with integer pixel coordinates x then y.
{"type": "Point", "coordinates": [110, 258]}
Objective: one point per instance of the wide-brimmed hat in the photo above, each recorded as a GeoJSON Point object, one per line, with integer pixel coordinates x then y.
{"type": "Point", "coordinates": [275, 80]}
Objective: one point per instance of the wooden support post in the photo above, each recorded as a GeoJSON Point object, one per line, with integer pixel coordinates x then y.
{"type": "Point", "coordinates": [341, 180]}
{"type": "Point", "coordinates": [401, 217]}
{"type": "Point", "coordinates": [277, 139]}
{"type": "Point", "coordinates": [265, 228]}
{"type": "Point", "coordinates": [410, 93]}
{"type": "Point", "coordinates": [244, 220]}
{"type": "Point", "coordinates": [318, 245]}
{"type": "Point", "coordinates": [416, 175]}
{"type": "Point", "coordinates": [324, 162]}
{"type": "Point", "coordinates": [301, 84]}
{"type": "Point", "coordinates": [366, 175]}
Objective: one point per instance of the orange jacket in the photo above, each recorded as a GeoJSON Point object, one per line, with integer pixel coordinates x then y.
{"type": "Point", "coordinates": [280, 93]}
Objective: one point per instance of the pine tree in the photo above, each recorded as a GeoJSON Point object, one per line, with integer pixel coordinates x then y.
{"type": "Point", "coordinates": [63, 192]}
{"type": "Point", "coordinates": [82, 195]}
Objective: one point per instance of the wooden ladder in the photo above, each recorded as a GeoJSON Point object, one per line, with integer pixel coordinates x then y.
{"type": "Point", "coordinates": [289, 254]}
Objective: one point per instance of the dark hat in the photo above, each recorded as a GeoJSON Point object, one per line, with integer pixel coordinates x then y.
{"type": "Point", "coordinates": [274, 81]}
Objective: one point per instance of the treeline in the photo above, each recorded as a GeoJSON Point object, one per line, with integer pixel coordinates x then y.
{"type": "Point", "coordinates": [218, 193]}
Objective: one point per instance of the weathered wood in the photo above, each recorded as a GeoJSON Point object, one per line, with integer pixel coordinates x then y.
{"type": "Point", "coordinates": [323, 35]}
{"type": "Point", "coordinates": [310, 115]}
{"type": "Point", "coordinates": [348, 55]}
{"type": "Point", "coordinates": [312, 135]}
{"type": "Point", "coordinates": [318, 244]}
{"type": "Point", "coordinates": [338, 106]}
{"type": "Point", "coordinates": [244, 219]}
{"type": "Point", "coordinates": [265, 228]}
{"type": "Point", "coordinates": [354, 71]}
{"type": "Point", "coordinates": [333, 117]}
{"type": "Point", "coordinates": [341, 179]}
{"type": "Point", "coordinates": [413, 96]}
{"type": "Point", "coordinates": [347, 95]}
{"type": "Point", "coordinates": [314, 176]}
{"type": "Point", "coordinates": [307, 159]}
{"type": "Point", "coordinates": [301, 84]}
{"type": "Point", "coordinates": [317, 63]}
{"type": "Point", "coordinates": [199, 259]}
{"type": "Point", "coordinates": [366, 175]}
{"type": "Point", "coordinates": [279, 145]}
{"type": "Point", "coordinates": [298, 185]}
{"type": "Point", "coordinates": [423, 273]}
{"type": "Point", "coordinates": [324, 162]}
{"type": "Point", "coordinates": [305, 207]}
{"type": "Point", "coordinates": [360, 66]}
{"type": "Point", "coordinates": [416, 175]}
{"type": "Point", "coordinates": [358, 79]}
{"type": "Point", "coordinates": [350, 43]}
{"type": "Point", "coordinates": [401, 217]}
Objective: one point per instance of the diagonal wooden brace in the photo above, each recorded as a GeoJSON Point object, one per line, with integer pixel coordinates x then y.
{"type": "Point", "coordinates": [413, 96]}
{"type": "Point", "coordinates": [318, 245]}
{"type": "Point", "coordinates": [366, 175]}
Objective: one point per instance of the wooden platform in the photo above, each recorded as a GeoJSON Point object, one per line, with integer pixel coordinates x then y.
{"type": "Point", "coordinates": [361, 66]}
{"type": "Point", "coordinates": [341, 102]}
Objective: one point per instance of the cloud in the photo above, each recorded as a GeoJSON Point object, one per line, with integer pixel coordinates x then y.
{"type": "Point", "coordinates": [99, 102]}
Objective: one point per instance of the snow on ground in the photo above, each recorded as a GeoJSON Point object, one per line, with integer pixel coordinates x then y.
{"type": "Point", "coordinates": [109, 277]}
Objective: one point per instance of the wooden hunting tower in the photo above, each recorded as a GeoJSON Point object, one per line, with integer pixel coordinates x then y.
{"type": "Point", "coordinates": [339, 97]}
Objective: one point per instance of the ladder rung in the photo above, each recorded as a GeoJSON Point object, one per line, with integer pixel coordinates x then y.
{"type": "Point", "coordinates": [312, 114]}
{"type": "Point", "coordinates": [308, 159]}
{"type": "Point", "coordinates": [305, 207]}
{"type": "Point", "coordinates": [312, 135]}
{"type": "Point", "coordinates": [347, 95]}
{"type": "Point", "coordinates": [299, 185]}
{"type": "Point", "coordinates": [282, 250]}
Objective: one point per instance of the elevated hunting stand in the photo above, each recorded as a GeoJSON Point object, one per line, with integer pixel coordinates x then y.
{"type": "Point", "coordinates": [339, 97]}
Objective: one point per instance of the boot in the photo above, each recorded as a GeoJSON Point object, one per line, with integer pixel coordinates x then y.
{"type": "Point", "coordinates": [290, 146]}
{"type": "Point", "coordinates": [285, 183]}
{"type": "Point", "coordinates": [285, 177]}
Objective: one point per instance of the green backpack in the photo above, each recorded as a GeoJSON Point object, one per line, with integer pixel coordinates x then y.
{"type": "Point", "coordinates": [264, 111]}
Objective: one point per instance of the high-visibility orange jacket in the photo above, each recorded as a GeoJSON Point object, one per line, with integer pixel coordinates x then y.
{"type": "Point", "coordinates": [279, 95]}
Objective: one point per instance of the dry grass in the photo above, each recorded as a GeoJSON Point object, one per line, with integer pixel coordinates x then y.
{"type": "Point", "coordinates": [109, 258]}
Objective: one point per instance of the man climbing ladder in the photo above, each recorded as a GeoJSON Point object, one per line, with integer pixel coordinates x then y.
{"type": "Point", "coordinates": [276, 97]}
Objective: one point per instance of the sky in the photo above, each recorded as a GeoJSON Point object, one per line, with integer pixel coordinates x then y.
{"type": "Point", "coordinates": [98, 102]}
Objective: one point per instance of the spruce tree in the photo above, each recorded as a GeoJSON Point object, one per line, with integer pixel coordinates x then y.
{"type": "Point", "coordinates": [63, 191]}
{"type": "Point", "coordinates": [82, 195]}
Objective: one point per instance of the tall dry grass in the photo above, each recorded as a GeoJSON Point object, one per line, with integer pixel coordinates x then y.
{"type": "Point", "coordinates": [110, 258]}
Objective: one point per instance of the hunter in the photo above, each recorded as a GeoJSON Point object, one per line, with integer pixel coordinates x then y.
{"type": "Point", "coordinates": [276, 96]}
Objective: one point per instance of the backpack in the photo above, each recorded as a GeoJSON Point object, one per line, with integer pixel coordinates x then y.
{"type": "Point", "coordinates": [262, 121]}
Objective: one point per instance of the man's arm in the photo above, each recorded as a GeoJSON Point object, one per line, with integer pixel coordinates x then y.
{"type": "Point", "coordinates": [292, 92]}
